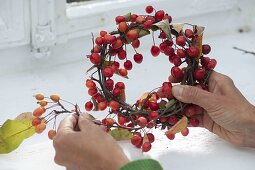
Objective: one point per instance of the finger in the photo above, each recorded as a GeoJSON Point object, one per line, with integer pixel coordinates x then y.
{"type": "Point", "coordinates": [68, 124]}
{"type": "Point", "coordinates": [85, 122]}
{"type": "Point", "coordinates": [189, 94]}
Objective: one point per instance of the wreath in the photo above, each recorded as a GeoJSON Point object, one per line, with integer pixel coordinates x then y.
{"type": "Point", "coordinates": [157, 109]}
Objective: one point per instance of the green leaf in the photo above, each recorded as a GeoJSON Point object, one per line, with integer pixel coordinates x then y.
{"type": "Point", "coordinates": [12, 134]}
{"type": "Point", "coordinates": [121, 134]}
{"type": "Point", "coordinates": [142, 32]}
{"type": "Point", "coordinates": [127, 16]}
{"type": "Point", "coordinates": [164, 26]}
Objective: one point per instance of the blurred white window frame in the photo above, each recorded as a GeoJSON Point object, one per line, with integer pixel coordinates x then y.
{"type": "Point", "coordinates": [45, 23]}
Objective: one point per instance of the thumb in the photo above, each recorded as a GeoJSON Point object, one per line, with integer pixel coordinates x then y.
{"type": "Point", "coordinates": [194, 95]}
{"type": "Point", "coordinates": [84, 122]}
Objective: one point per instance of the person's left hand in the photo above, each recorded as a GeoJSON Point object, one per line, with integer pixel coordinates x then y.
{"type": "Point", "coordinates": [90, 148]}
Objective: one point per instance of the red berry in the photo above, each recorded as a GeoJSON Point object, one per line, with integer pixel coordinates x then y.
{"type": "Point", "coordinates": [180, 40]}
{"type": "Point", "coordinates": [102, 105]}
{"type": "Point", "coordinates": [153, 115]}
{"type": "Point", "coordinates": [188, 33]}
{"type": "Point", "coordinates": [147, 24]}
{"type": "Point", "coordinates": [109, 84]}
{"type": "Point", "coordinates": [107, 72]}
{"type": "Point", "coordinates": [140, 19]}
{"type": "Point", "coordinates": [117, 44]}
{"type": "Point", "coordinates": [136, 140]}
{"type": "Point", "coordinates": [206, 49]}
{"type": "Point", "coordinates": [133, 17]}
{"type": "Point", "coordinates": [132, 35]}
{"type": "Point", "coordinates": [51, 134]}
{"type": "Point", "coordinates": [194, 121]}
{"type": "Point", "coordinates": [193, 51]}
{"type": "Point", "coordinates": [170, 136]}
{"type": "Point", "coordinates": [122, 54]}
{"type": "Point", "coordinates": [36, 121]}
{"type": "Point", "coordinates": [205, 61]}
{"type": "Point", "coordinates": [172, 120]}
{"type": "Point", "coordinates": [142, 121]}
{"type": "Point", "coordinates": [99, 40]}
{"type": "Point", "coordinates": [120, 85]}
{"type": "Point", "coordinates": [151, 137]}
{"type": "Point", "coordinates": [123, 72]}
{"type": "Point", "coordinates": [162, 46]}
{"type": "Point", "coordinates": [185, 132]}
{"type": "Point", "coordinates": [177, 73]}
{"type": "Point", "coordinates": [89, 106]}
{"type": "Point", "coordinates": [146, 146]}
{"type": "Point", "coordinates": [162, 35]}
{"type": "Point", "coordinates": [199, 74]}
{"type": "Point", "coordinates": [95, 58]}
{"type": "Point", "coordinates": [159, 15]}
{"type": "Point", "coordinates": [169, 51]}
{"type": "Point", "coordinates": [103, 33]}
{"type": "Point", "coordinates": [168, 17]}
{"type": "Point", "coordinates": [138, 58]}
{"type": "Point", "coordinates": [149, 9]}
{"type": "Point", "coordinates": [177, 61]}
{"type": "Point", "coordinates": [163, 119]}
{"type": "Point", "coordinates": [181, 53]}
{"type": "Point", "coordinates": [211, 64]}
{"type": "Point", "coordinates": [119, 19]}
{"type": "Point", "coordinates": [153, 106]}
{"type": "Point", "coordinates": [155, 51]}
{"type": "Point", "coordinates": [136, 43]}
{"type": "Point", "coordinates": [109, 39]}
{"type": "Point", "coordinates": [92, 92]}
{"type": "Point", "coordinates": [190, 111]}
{"type": "Point", "coordinates": [123, 27]}
{"type": "Point", "coordinates": [128, 65]}
{"type": "Point", "coordinates": [116, 92]}
{"type": "Point", "coordinates": [39, 111]}
{"type": "Point", "coordinates": [90, 84]}
{"type": "Point", "coordinates": [114, 105]}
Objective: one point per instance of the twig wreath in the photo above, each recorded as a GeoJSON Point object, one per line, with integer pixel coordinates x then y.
{"type": "Point", "coordinates": [181, 42]}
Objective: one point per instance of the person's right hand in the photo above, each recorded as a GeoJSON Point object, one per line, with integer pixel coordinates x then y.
{"type": "Point", "coordinates": [226, 112]}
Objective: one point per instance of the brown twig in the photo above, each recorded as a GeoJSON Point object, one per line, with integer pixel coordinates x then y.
{"type": "Point", "coordinates": [245, 51]}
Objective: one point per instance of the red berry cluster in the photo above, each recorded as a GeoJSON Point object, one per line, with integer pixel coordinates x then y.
{"type": "Point", "coordinates": [158, 108]}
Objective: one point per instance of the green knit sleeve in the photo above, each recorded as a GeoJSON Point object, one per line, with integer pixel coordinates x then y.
{"type": "Point", "coordinates": [142, 164]}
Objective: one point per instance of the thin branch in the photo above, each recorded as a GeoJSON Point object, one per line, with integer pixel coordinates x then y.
{"type": "Point", "coordinates": [245, 51]}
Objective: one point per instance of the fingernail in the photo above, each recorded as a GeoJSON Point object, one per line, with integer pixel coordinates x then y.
{"type": "Point", "coordinates": [177, 91]}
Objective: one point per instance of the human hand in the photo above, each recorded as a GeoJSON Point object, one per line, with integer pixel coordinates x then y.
{"type": "Point", "coordinates": [88, 148]}
{"type": "Point", "coordinates": [225, 111]}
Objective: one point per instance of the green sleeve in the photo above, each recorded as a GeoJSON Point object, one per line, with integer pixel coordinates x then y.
{"type": "Point", "coordinates": [142, 164]}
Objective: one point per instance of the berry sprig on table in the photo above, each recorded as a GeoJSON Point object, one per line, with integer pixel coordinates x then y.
{"type": "Point", "coordinates": [155, 109]}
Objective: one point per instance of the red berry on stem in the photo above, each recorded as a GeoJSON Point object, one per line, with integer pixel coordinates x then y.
{"type": "Point", "coordinates": [136, 43]}
{"type": "Point", "coordinates": [193, 51]}
{"type": "Point", "coordinates": [116, 92]}
{"type": "Point", "coordinates": [155, 51]}
{"type": "Point", "coordinates": [151, 137]}
{"type": "Point", "coordinates": [180, 40]}
{"type": "Point", "coordinates": [177, 73]}
{"type": "Point", "coordinates": [142, 121]}
{"type": "Point", "coordinates": [211, 64]}
{"type": "Point", "coordinates": [194, 121]}
{"type": "Point", "coordinates": [109, 84]}
{"type": "Point", "coordinates": [149, 9]}
{"type": "Point", "coordinates": [90, 84]}
{"type": "Point", "coordinates": [153, 115]}
{"type": "Point", "coordinates": [147, 24]}
{"type": "Point", "coordinates": [169, 51]}
{"type": "Point", "coordinates": [199, 73]}
{"type": "Point", "coordinates": [114, 105]}
{"type": "Point", "coordinates": [122, 27]}
{"type": "Point", "coordinates": [138, 58]}
{"type": "Point", "coordinates": [170, 136]}
{"type": "Point", "coordinates": [120, 85]}
{"type": "Point", "coordinates": [136, 140]}
{"type": "Point", "coordinates": [159, 15]}
{"type": "Point", "coordinates": [89, 106]}
{"type": "Point", "coordinates": [168, 17]}
{"type": "Point", "coordinates": [107, 72]}
{"type": "Point", "coordinates": [177, 61]}
{"type": "Point", "coordinates": [102, 105]}
{"type": "Point", "coordinates": [172, 120]}
{"type": "Point", "coordinates": [119, 19]}
{"type": "Point", "coordinates": [128, 65]}
{"type": "Point", "coordinates": [190, 111]}
{"type": "Point", "coordinates": [206, 49]}
{"type": "Point", "coordinates": [153, 106]}
{"type": "Point", "coordinates": [122, 54]}
{"type": "Point", "coordinates": [51, 134]}
{"type": "Point", "coordinates": [188, 33]}
{"type": "Point", "coordinates": [133, 17]}
{"type": "Point", "coordinates": [132, 35]}
{"type": "Point", "coordinates": [95, 58]}
{"type": "Point", "coordinates": [117, 44]}
{"type": "Point", "coordinates": [146, 146]}
{"type": "Point", "coordinates": [123, 72]}
{"type": "Point", "coordinates": [36, 121]}
{"type": "Point", "coordinates": [99, 40]}
{"type": "Point", "coordinates": [181, 53]}
{"type": "Point", "coordinates": [92, 92]}
{"type": "Point", "coordinates": [185, 132]}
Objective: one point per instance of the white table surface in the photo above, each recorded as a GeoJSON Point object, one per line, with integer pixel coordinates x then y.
{"type": "Point", "coordinates": [199, 150]}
